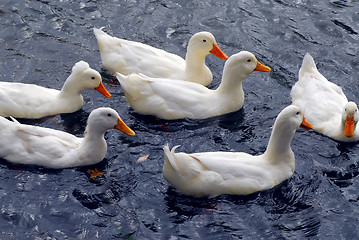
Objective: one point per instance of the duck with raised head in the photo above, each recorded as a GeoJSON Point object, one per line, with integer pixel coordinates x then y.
{"type": "Point", "coordinates": [22, 100]}
{"type": "Point", "coordinates": [178, 99]}
{"type": "Point", "coordinates": [238, 173]}
{"type": "Point", "coordinates": [125, 57]}
{"type": "Point", "coordinates": [27, 144]}
{"type": "Point", "coordinates": [324, 104]}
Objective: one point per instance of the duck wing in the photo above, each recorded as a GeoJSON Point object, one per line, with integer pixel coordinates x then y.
{"type": "Point", "coordinates": [124, 56]}
{"type": "Point", "coordinates": [233, 165]}
{"type": "Point", "coordinates": [216, 173]}
{"type": "Point", "coordinates": [320, 100]}
{"type": "Point", "coordinates": [22, 100]}
{"type": "Point", "coordinates": [33, 144]}
{"type": "Point", "coordinates": [166, 99]}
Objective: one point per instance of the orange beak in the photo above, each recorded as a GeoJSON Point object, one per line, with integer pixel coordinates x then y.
{"type": "Point", "coordinates": [305, 124]}
{"type": "Point", "coordinates": [101, 89]}
{"type": "Point", "coordinates": [262, 68]}
{"type": "Point", "coordinates": [124, 128]}
{"type": "Point", "coordinates": [218, 52]}
{"type": "Point", "coordinates": [349, 127]}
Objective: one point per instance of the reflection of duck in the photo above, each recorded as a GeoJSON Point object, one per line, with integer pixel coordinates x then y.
{"type": "Point", "coordinates": [324, 104]}
{"type": "Point", "coordinates": [183, 207]}
{"type": "Point", "coordinates": [31, 101]}
{"type": "Point", "coordinates": [125, 57]}
{"type": "Point", "coordinates": [216, 173]}
{"type": "Point", "coordinates": [74, 123]}
{"type": "Point", "coordinates": [26, 144]}
{"type": "Point", "coordinates": [179, 99]}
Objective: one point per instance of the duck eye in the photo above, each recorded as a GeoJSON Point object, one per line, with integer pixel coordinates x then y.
{"type": "Point", "coordinates": [92, 78]}
{"type": "Point", "coordinates": [109, 115]}
{"type": "Point", "coordinates": [204, 40]}
{"type": "Point", "coordinates": [297, 113]}
{"type": "Point", "coordinates": [249, 60]}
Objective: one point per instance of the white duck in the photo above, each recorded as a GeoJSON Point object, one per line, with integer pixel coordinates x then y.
{"type": "Point", "coordinates": [26, 144]}
{"type": "Point", "coordinates": [216, 173]}
{"type": "Point", "coordinates": [125, 57]}
{"type": "Point", "coordinates": [324, 104]}
{"type": "Point", "coordinates": [32, 101]}
{"type": "Point", "coordinates": [178, 99]}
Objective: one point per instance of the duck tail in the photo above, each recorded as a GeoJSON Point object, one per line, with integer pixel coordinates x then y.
{"type": "Point", "coordinates": [170, 158]}
{"type": "Point", "coordinates": [121, 77]}
{"type": "Point", "coordinates": [99, 33]}
{"type": "Point", "coordinates": [131, 86]}
{"type": "Point", "coordinates": [14, 120]}
{"type": "Point", "coordinates": [101, 37]}
{"type": "Point", "coordinates": [308, 65]}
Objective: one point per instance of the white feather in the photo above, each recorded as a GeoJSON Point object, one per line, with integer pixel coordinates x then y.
{"type": "Point", "coordinates": [125, 57]}
{"type": "Point", "coordinates": [26, 144]}
{"type": "Point", "coordinates": [31, 101]}
{"type": "Point", "coordinates": [323, 102]}
{"type": "Point", "coordinates": [178, 99]}
{"type": "Point", "coordinates": [216, 173]}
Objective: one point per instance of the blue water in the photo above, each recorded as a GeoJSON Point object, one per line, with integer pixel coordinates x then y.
{"type": "Point", "coordinates": [41, 40]}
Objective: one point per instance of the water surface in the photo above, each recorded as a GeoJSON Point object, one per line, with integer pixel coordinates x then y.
{"type": "Point", "coordinates": [40, 41]}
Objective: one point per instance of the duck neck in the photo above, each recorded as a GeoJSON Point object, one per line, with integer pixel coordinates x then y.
{"type": "Point", "coordinates": [94, 147]}
{"type": "Point", "coordinates": [195, 62]}
{"type": "Point", "coordinates": [194, 58]}
{"type": "Point", "coordinates": [69, 89]}
{"type": "Point", "coordinates": [94, 133]}
{"type": "Point", "coordinates": [278, 148]}
{"type": "Point", "coordinates": [231, 83]}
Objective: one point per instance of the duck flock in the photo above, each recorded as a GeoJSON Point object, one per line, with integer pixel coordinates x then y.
{"type": "Point", "coordinates": [169, 87]}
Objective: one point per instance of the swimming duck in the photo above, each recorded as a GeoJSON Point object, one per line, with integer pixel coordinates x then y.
{"type": "Point", "coordinates": [239, 173]}
{"type": "Point", "coordinates": [325, 104]}
{"type": "Point", "coordinates": [178, 99]}
{"type": "Point", "coordinates": [27, 144]}
{"type": "Point", "coordinates": [32, 101]}
{"type": "Point", "coordinates": [125, 57]}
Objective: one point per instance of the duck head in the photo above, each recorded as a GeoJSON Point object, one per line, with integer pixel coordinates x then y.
{"type": "Point", "coordinates": [87, 78]}
{"type": "Point", "coordinates": [350, 118]}
{"type": "Point", "coordinates": [242, 64]}
{"type": "Point", "coordinates": [292, 118]}
{"type": "Point", "coordinates": [204, 43]}
{"type": "Point", "coordinates": [102, 119]}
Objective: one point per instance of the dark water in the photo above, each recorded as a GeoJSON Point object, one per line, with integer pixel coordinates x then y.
{"type": "Point", "coordinates": [41, 40]}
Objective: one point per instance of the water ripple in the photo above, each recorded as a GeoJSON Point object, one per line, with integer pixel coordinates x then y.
{"type": "Point", "coordinates": [42, 40]}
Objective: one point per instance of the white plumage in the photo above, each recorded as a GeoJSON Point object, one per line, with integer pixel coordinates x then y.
{"type": "Point", "coordinates": [216, 173]}
{"type": "Point", "coordinates": [324, 104]}
{"type": "Point", "coordinates": [125, 57]}
{"type": "Point", "coordinates": [178, 99]}
{"type": "Point", "coordinates": [26, 144]}
{"type": "Point", "coordinates": [31, 101]}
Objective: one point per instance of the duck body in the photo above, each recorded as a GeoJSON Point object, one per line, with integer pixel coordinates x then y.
{"type": "Point", "coordinates": [216, 173]}
{"type": "Point", "coordinates": [324, 103]}
{"type": "Point", "coordinates": [32, 101]}
{"type": "Point", "coordinates": [126, 57]}
{"type": "Point", "coordinates": [178, 99]}
{"type": "Point", "coordinates": [27, 144]}
{"type": "Point", "coordinates": [31, 105]}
